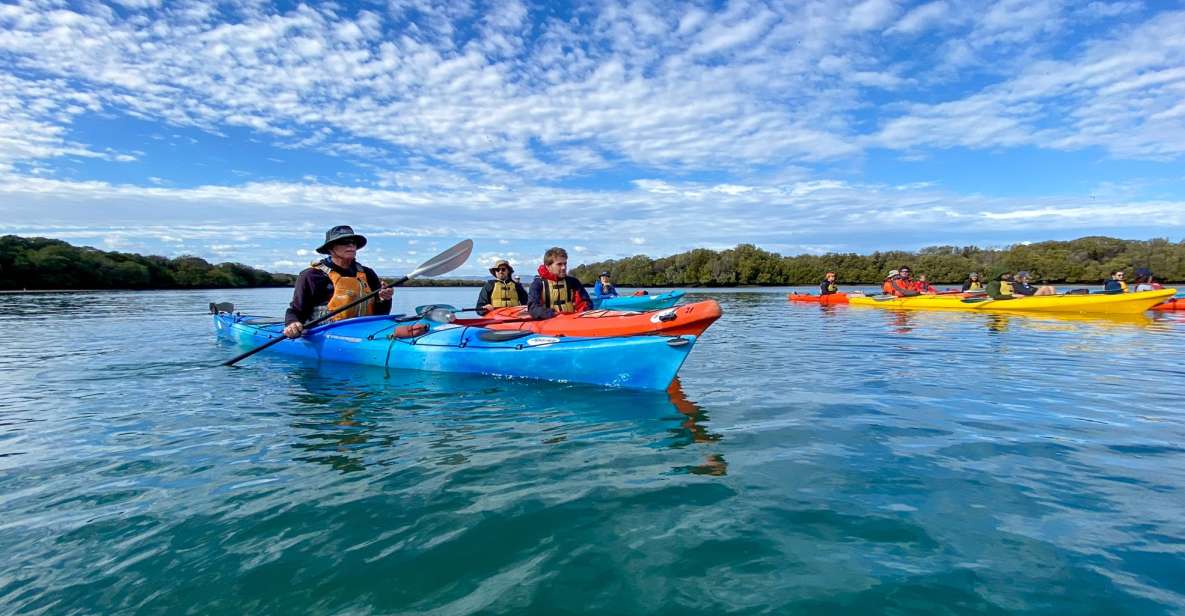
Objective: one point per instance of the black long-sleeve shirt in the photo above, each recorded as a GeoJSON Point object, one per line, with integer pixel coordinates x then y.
{"type": "Point", "coordinates": [313, 288]}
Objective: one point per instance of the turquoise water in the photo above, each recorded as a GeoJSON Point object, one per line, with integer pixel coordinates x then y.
{"type": "Point", "coordinates": [811, 460]}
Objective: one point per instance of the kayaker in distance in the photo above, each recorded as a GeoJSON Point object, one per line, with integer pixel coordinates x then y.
{"type": "Point", "coordinates": [553, 290]}
{"type": "Point", "coordinates": [828, 286]}
{"type": "Point", "coordinates": [502, 291]}
{"type": "Point", "coordinates": [973, 283]}
{"type": "Point", "coordinates": [887, 285]}
{"type": "Point", "coordinates": [1116, 283]}
{"type": "Point", "coordinates": [335, 281]}
{"type": "Point", "coordinates": [1144, 281]}
{"type": "Point", "coordinates": [922, 286]}
{"type": "Point", "coordinates": [1021, 286]}
{"type": "Point", "coordinates": [1001, 287]}
{"type": "Point", "coordinates": [603, 288]}
{"type": "Point", "coordinates": [902, 285]}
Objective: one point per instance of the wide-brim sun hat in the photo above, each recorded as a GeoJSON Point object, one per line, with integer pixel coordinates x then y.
{"type": "Point", "coordinates": [892, 273]}
{"type": "Point", "coordinates": [500, 263]}
{"type": "Point", "coordinates": [339, 233]}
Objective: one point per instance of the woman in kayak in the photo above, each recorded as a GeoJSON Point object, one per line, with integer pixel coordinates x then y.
{"type": "Point", "coordinates": [973, 283]}
{"type": "Point", "coordinates": [604, 289]}
{"type": "Point", "coordinates": [502, 291]}
{"type": "Point", "coordinates": [334, 282]}
{"type": "Point", "coordinates": [828, 286]}
{"type": "Point", "coordinates": [553, 290]}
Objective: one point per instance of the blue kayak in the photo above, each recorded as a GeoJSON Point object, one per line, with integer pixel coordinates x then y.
{"type": "Point", "coordinates": [636, 362]}
{"type": "Point", "coordinates": [640, 303]}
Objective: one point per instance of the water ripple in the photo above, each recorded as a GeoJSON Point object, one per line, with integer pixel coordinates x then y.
{"type": "Point", "coordinates": [811, 460]}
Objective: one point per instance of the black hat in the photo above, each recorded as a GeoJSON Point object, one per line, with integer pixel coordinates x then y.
{"type": "Point", "coordinates": [339, 233]}
{"type": "Point", "coordinates": [604, 273]}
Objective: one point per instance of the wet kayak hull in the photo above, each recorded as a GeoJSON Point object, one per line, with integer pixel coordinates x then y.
{"type": "Point", "coordinates": [639, 362]}
{"type": "Point", "coordinates": [1172, 304]}
{"type": "Point", "coordinates": [826, 300]}
{"type": "Point", "coordinates": [1093, 303]}
{"type": "Point", "coordinates": [685, 320]}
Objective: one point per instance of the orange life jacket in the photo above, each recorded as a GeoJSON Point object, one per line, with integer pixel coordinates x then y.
{"type": "Point", "coordinates": [345, 290]}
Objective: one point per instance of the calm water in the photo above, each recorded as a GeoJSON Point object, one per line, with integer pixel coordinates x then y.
{"type": "Point", "coordinates": [836, 460]}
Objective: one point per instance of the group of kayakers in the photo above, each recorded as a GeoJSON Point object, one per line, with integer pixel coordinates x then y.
{"type": "Point", "coordinates": [901, 283]}
{"type": "Point", "coordinates": [338, 279]}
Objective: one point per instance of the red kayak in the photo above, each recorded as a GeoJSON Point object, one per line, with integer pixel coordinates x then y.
{"type": "Point", "coordinates": [687, 319]}
{"type": "Point", "coordinates": [1172, 304]}
{"type": "Point", "coordinates": [833, 298]}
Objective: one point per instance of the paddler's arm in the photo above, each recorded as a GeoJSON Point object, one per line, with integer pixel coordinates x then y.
{"type": "Point", "coordinates": [535, 303]}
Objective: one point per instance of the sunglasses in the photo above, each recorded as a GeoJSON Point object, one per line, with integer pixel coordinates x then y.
{"type": "Point", "coordinates": [502, 269]}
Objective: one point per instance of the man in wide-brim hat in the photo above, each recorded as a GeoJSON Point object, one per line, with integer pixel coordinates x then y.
{"type": "Point", "coordinates": [334, 282]}
{"type": "Point", "coordinates": [501, 292]}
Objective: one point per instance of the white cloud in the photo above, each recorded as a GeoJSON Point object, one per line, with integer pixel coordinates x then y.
{"type": "Point", "coordinates": [920, 18]}
{"type": "Point", "coordinates": [820, 212]}
{"type": "Point", "coordinates": [871, 14]}
{"type": "Point", "coordinates": [1121, 94]}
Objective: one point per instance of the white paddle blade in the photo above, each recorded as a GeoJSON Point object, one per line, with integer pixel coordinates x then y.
{"type": "Point", "coordinates": [446, 261]}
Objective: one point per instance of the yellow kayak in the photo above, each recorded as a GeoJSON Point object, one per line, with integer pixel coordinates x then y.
{"type": "Point", "coordinates": [1094, 303]}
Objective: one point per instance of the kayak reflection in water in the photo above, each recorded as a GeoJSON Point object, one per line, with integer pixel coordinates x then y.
{"type": "Point", "coordinates": [693, 431]}
{"type": "Point", "coordinates": [335, 282]}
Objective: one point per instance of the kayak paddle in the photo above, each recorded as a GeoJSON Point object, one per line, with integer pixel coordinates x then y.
{"type": "Point", "coordinates": [442, 263]}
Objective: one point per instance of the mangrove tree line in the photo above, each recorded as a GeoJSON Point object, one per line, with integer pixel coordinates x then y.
{"type": "Point", "coordinates": [1085, 260]}
{"type": "Point", "coordinates": [42, 263]}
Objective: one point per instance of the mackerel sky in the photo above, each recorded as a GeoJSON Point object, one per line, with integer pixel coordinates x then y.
{"type": "Point", "coordinates": [240, 131]}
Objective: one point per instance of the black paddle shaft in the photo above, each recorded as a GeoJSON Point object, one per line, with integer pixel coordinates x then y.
{"type": "Point", "coordinates": [310, 324]}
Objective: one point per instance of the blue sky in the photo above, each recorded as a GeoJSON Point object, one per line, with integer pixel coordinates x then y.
{"type": "Point", "coordinates": [242, 131]}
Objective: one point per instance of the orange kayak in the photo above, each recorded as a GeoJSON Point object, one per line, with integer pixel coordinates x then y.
{"type": "Point", "coordinates": [1172, 304]}
{"type": "Point", "coordinates": [690, 319]}
{"type": "Point", "coordinates": [833, 298]}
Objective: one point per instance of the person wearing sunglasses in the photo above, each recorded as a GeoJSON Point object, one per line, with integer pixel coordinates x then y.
{"type": "Point", "coordinates": [1116, 284]}
{"type": "Point", "coordinates": [903, 285]}
{"type": "Point", "coordinates": [501, 292]}
{"type": "Point", "coordinates": [335, 282]}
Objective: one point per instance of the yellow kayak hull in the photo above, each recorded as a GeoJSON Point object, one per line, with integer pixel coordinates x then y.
{"type": "Point", "coordinates": [1094, 303]}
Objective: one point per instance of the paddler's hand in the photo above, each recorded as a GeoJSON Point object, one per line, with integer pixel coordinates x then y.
{"type": "Point", "coordinates": [487, 307]}
{"type": "Point", "coordinates": [385, 292]}
{"type": "Point", "coordinates": [294, 329]}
